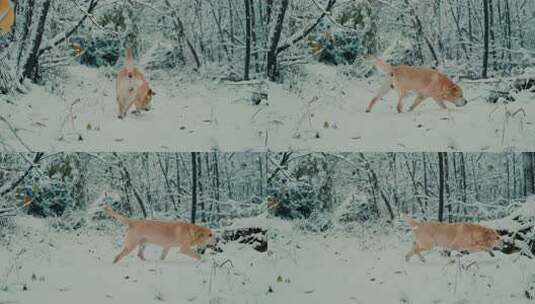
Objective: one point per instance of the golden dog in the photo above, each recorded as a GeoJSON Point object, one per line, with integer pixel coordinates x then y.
{"type": "Point", "coordinates": [167, 234]}
{"type": "Point", "coordinates": [458, 236]}
{"type": "Point", "coordinates": [132, 88]}
{"type": "Point", "coordinates": [426, 83]}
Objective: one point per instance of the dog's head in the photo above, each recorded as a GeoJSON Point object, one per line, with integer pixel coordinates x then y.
{"type": "Point", "coordinates": [146, 99]}
{"type": "Point", "coordinates": [491, 238]}
{"type": "Point", "coordinates": [454, 93]}
{"type": "Point", "coordinates": [203, 236]}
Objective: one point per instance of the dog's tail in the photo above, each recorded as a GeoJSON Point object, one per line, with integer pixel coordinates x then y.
{"type": "Point", "coordinates": [414, 223]}
{"type": "Point", "coordinates": [380, 63]}
{"type": "Point", "coordinates": [129, 62]}
{"type": "Point", "coordinates": [121, 218]}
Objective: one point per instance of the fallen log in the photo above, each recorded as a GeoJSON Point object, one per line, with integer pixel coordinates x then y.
{"type": "Point", "coordinates": [508, 86]}
{"type": "Point", "coordinates": [253, 236]}
{"type": "Point", "coordinates": [256, 237]}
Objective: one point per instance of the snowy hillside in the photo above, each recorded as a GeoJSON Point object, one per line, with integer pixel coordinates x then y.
{"type": "Point", "coordinates": [362, 266]}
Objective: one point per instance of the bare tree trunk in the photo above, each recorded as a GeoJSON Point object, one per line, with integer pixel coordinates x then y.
{"type": "Point", "coordinates": [164, 166]}
{"type": "Point", "coordinates": [178, 187]}
{"type": "Point", "coordinates": [426, 188]}
{"type": "Point", "coordinates": [486, 30]}
{"type": "Point", "coordinates": [374, 179]}
{"type": "Point", "coordinates": [274, 39]}
{"type": "Point", "coordinates": [447, 184]}
{"type": "Point", "coordinates": [529, 173]}
{"type": "Point", "coordinates": [217, 195]}
{"type": "Point", "coordinates": [441, 186]}
{"type": "Point", "coordinates": [412, 174]}
{"type": "Point", "coordinates": [31, 67]}
{"type": "Point", "coordinates": [29, 30]}
{"type": "Point", "coordinates": [201, 189]}
{"type": "Point", "coordinates": [254, 42]}
{"type": "Point", "coordinates": [194, 173]}
{"type": "Point", "coordinates": [129, 184]}
{"type": "Point", "coordinates": [181, 35]}
{"type": "Point", "coordinates": [248, 26]}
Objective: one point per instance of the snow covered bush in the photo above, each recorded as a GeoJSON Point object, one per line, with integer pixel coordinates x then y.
{"type": "Point", "coordinates": [100, 49]}
{"type": "Point", "coordinates": [309, 191]}
{"type": "Point", "coordinates": [354, 35]}
{"type": "Point", "coordinates": [298, 200]}
{"type": "Point", "coordinates": [356, 208]}
{"type": "Point", "coordinates": [317, 222]}
{"type": "Point", "coordinates": [336, 46]}
{"type": "Point", "coordinates": [360, 18]}
{"type": "Point", "coordinates": [63, 190]}
{"type": "Point", "coordinates": [163, 55]}
{"type": "Point", "coordinates": [518, 229]}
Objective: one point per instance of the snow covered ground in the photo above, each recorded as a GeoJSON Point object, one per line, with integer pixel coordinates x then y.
{"type": "Point", "coordinates": [363, 266]}
{"type": "Point", "coordinates": [323, 111]}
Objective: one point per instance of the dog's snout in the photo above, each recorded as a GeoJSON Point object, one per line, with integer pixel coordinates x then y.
{"type": "Point", "coordinates": [462, 103]}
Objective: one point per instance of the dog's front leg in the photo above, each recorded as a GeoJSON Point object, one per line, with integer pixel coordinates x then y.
{"type": "Point", "coordinates": [126, 250]}
{"type": "Point", "coordinates": [419, 99]}
{"type": "Point", "coordinates": [187, 251]}
{"type": "Point", "coordinates": [385, 88]}
{"type": "Point", "coordinates": [414, 251]}
{"type": "Point", "coordinates": [165, 251]}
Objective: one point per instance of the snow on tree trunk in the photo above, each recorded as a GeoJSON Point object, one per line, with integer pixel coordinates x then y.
{"type": "Point", "coordinates": [20, 58]}
{"type": "Point", "coordinates": [7, 78]}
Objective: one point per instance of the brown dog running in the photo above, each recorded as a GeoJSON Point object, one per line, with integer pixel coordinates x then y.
{"type": "Point", "coordinates": [163, 233]}
{"type": "Point", "coordinates": [132, 88]}
{"type": "Point", "coordinates": [458, 236]}
{"type": "Point", "coordinates": [426, 83]}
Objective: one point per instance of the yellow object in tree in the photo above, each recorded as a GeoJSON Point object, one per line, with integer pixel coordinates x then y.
{"type": "Point", "coordinates": [7, 16]}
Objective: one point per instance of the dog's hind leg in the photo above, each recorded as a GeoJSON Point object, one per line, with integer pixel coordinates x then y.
{"type": "Point", "coordinates": [165, 251]}
{"type": "Point", "coordinates": [413, 251]}
{"type": "Point", "coordinates": [385, 88]}
{"type": "Point", "coordinates": [417, 249]}
{"type": "Point", "coordinates": [119, 109]}
{"type": "Point", "coordinates": [141, 250]}
{"type": "Point", "coordinates": [419, 99]}
{"type": "Point", "coordinates": [187, 251]}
